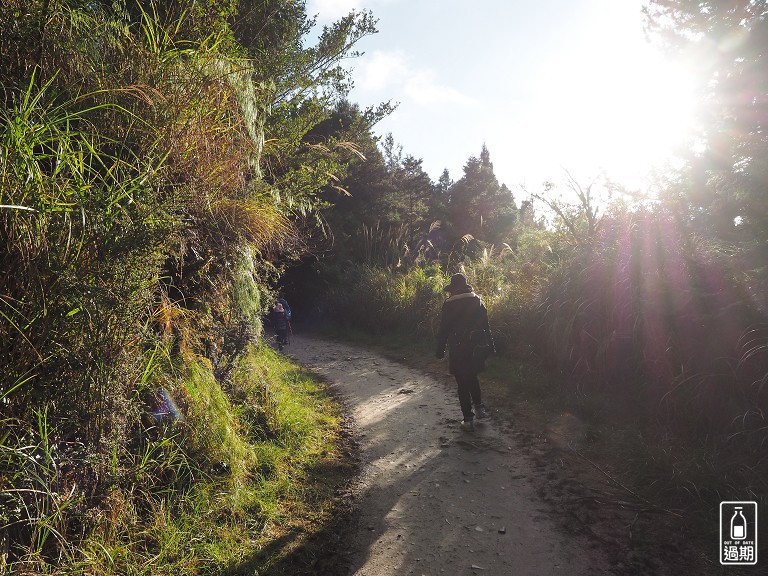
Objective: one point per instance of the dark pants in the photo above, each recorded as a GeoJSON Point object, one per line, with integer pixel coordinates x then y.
{"type": "Point", "coordinates": [282, 337]}
{"type": "Point", "coordinates": [469, 393]}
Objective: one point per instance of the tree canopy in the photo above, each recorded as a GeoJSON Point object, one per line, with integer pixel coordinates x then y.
{"type": "Point", "coordinates": [478, 205]}
{"type": "Point", "coordinates": [727, 42]}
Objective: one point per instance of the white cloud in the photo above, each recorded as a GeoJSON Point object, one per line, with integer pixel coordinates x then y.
{"type": "Point", "coordinates": [424, 89]}
{"type": "Point", "coordinates": [380, 71]}
{"type": "Point", "coordinates": [388, 75]}
{"type": "Point", "coordinates": [329, 10]}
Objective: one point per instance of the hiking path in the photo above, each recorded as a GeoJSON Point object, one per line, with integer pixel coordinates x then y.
{"type": "Point", "coordinates": [432, 499]}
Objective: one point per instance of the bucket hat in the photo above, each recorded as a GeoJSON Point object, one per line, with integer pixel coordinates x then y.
{"type": "Point", "coordinates": [458, 284]}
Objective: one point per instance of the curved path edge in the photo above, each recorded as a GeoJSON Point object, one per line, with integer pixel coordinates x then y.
{"type": "Point", "coordinates": [432, 499]}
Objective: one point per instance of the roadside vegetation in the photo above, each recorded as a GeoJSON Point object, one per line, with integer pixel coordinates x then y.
{"type": "Point", "coordinates": [214, 478]}
{"type": "Point", "coordinates": [155, 178]}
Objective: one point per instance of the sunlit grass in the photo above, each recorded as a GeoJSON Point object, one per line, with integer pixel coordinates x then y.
{"type": "Point", "coordinates": [214, 486]}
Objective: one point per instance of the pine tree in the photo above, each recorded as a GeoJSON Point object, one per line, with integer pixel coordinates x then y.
{"type": "Point", "coordinates": [478, 204]}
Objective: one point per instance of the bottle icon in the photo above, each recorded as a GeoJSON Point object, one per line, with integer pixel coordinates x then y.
{"type": "Point", "coordinates": [738, 525]}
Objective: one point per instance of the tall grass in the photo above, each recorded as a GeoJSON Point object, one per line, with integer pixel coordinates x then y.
{"type": "Point", "coordinates": [660, 317]}
{"type": "Point", "coordinates": [213, 478]}
{"type": "Point", "coordinates": [377, 300]}
{"type": "Point", "coordinates": [140, 244]}
{"type": "Point", "coordinates": [133, 230]}
{"type": "Point", "coordinates": [67, 256]}
{"type": "Point", "coordinates": [40, 502]}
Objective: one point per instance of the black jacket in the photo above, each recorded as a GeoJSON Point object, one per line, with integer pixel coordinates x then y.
{"type": "Point", "coordinates": [463, 325]}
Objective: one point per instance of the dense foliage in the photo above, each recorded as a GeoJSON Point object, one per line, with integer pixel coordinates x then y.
{"type": "Point", "coordinates": [155, 174]}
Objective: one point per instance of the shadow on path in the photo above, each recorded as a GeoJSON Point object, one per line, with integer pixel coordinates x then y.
{"type": "Point", "coordinates": [429, 498]}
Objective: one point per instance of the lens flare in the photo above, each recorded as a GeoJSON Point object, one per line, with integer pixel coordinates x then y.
{"type": "Point", "coordinates": [166, 408]}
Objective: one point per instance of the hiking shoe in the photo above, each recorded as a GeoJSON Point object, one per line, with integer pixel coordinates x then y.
{"type": "Point", "coordinates": [467, 426]}
{"type": "Point", "coordinates": [480, 411]}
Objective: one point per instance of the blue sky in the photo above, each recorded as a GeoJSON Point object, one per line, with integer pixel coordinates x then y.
{"type": "Point", "coordinates": [548, 87]}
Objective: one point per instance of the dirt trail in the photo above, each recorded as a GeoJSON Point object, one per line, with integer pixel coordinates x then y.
{"type": "Point", "coordinates": [433, 499]}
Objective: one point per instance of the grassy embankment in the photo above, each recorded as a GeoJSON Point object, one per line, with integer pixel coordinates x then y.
{"type": "Point", "coordinates": [141, 229]}
{"type": "Point", "coordinates": [235, 481]}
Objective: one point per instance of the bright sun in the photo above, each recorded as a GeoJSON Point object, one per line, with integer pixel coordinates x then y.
{"type": "Point", "coordinates": [652, 111]}
{"type": "Point", "coordinates": [622, 110]}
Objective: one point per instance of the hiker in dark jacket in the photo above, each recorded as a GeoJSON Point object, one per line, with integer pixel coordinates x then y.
{"type": "Point", "coordinates": [464, 328]}
{"type": "Point", "coordinates": [281, 322]}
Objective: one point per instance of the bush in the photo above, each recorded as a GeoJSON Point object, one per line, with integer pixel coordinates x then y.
{"type": "Point", "coordinates": [655, 315]}
{"type": "Point", "coordinates": [375, 300]}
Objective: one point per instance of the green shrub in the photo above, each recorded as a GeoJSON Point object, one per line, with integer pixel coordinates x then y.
{"type": "Point", "coordinates": [376, 300]}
